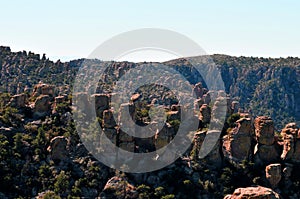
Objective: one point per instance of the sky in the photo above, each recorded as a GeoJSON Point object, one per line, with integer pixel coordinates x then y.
{"type": "Point", "coordinates": [73, 29]}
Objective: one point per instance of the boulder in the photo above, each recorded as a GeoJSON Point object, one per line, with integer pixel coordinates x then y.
{"type": "Point", "coordinates": [58, 100]}
{"type": "Point", "coordinates": [253, 193]}
{"type": "Point", "coordinates": [273, 174]}
{"type": "Point", "coordinates": [219, 109]}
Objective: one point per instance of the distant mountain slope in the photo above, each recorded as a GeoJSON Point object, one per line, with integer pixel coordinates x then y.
{"type": "Point", "coordinates": [266, 86]}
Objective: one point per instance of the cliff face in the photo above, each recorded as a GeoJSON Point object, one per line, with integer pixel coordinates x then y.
{"type": "Point", "coordinates": [264, 86]}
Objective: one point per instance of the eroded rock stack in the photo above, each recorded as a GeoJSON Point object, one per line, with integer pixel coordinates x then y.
{"type": "Point", "coordinates": [266, 150]}
{"type": "Point", "coordinates": [101, 103]}
{"type": "Point", "coordinates": [58, 149]}
{"type": "Point", "coordinates": [210, 154]}
{"type": "Point", "coordinates": [42, 106]}
{"type": "Point", "coordinates": [205, 114]}
{"type": "Point", "coordinates": [291, 143]}
{"type": "Point", "coordinates": [237, 144]}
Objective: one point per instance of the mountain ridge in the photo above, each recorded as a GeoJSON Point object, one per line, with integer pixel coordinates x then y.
{"type": "Point", "coordinates": [263, 86]}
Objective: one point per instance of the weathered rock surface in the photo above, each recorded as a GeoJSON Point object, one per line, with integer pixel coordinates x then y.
{"type": "Point", "coordinates": [266, 150]}
{"type": "Point", "coordinates": [199, 90]}
{"type": "Point", "coordinates": [205, 114]}
{"type": "Point", "coordinates": [291, 143]}
{"type": "Point", "coordinates": [101, 103]}
{"type": "Point", "coordinates": [253, 193]}
{"type": "Point", "coordinates": [273, 174]}
{"type": "Point", "coordinates": [266, 154]}
{"type": "Point", "coordinates": [118, 187]}
{"type": "Point", "coordinates": [43, 89]}
{"type": "Point", "coordinates": [58, 149]}
{"type": "Point", "coordinates": [264, 130]}
{"type": "Point", "coordinates": [237, 144]}
{"type": "Point", "coordinates": [18, 101]}
{"type": "Point", "coordinates": [42, 106]}
{"type": "Point", "coordinates": [210, 155]}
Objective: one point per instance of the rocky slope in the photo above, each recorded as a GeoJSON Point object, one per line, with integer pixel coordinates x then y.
{"type": "Point", "coordinates": [42, 156]}
{"type": "Point", "coordinates": [263, 86]}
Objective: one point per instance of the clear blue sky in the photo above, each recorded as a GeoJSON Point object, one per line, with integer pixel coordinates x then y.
{"type": "Point", "coordinates": [72, 29]}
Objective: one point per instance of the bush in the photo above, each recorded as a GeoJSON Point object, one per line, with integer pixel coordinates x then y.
{"type": "Point", "coordinates": [62, 183]}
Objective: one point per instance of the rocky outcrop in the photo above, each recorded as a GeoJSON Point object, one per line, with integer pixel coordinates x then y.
{"type": "Point", "coordinates": [237, 144]}
{"type": "Point", "coordinates": [235, 106]}
{"type": "Point", "coordinates": [212, 157]}
{"type": "Point", "coordinates": [264, 130]}
{"type": "Point", "coordinates": [220, 108]}
{"type": "Point", "coordinates": [101, 103]}
{"type": "Point", "coordinates": [253, 193]}
{"type": "Point", "coordinates": [58, 149]}
{"type": "Point", "coordinates": [273, 174]}
{"type": "Point", "coordinates": [205, 114]}
{"type": "Point", "coordinates": [43, 89]}
{"type": "Point", "coordinates": [199, 90]}
{"type": "Point", "coordinates": [42, 106]}
{"type": "Point", "coordinates": [164, 136]}
{"type": "Point", "coordinates": [291, 143]}
{"type": "Point", "coordinates": [58, 100]}
{"type": "Point", "coordinates": [287, 173]}
{"type": "Point", "coordinates": [18, 101]}
{"type": "Point", "coordinates": [118, 187]}
{"type": "Point", "coordinates": [266, 150]}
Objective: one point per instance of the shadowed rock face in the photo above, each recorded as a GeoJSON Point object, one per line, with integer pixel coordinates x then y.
{"type": "Point", "coordinates": [42, 106]}
{"type": "Point", "coordinates": [101, 103]}
{"type": "Point", "coordinates": [213, 158]}
{"type": "Point", "coordinates": [253, 193]}
{"type": "Point", "coordinates": [291, 143]}
{"type": "Point", "coordinates": [58, 149]}
{"type": "Point", "coordinates": [18, 101]}
{"type": "Point", "coordinates": [205, 114]}
{"type": "Point", "coordinates": [273, 174]}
